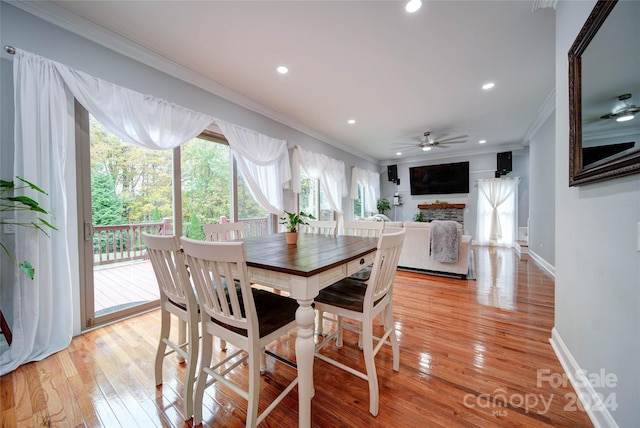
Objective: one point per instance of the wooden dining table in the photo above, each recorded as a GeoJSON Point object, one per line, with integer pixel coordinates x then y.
{"type": "Point", "coordinates": [302, 270]}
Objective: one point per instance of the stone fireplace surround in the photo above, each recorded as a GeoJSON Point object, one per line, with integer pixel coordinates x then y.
{"type": "Point", "coordinates": [443, 211]}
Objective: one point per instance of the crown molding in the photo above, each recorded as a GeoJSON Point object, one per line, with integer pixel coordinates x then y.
{"type": "Point", "coordinates": [548, 107]}
{"type": "Point", "coordinates": [61, 17]}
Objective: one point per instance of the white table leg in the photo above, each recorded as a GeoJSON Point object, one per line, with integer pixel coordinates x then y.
{"type": "Point", "coordinates": [305, 348]}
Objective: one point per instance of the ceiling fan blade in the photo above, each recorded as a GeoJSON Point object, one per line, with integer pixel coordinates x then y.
{"type": "Point", "coordinates": [405, 148]}
{"type": "Point", "coordinates": [452, 142]}
{"type": "Point", "coordinates": [446, 140]}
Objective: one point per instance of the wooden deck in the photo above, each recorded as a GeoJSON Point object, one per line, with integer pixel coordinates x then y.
{"type": "Point", "coordinates": [121, 285]}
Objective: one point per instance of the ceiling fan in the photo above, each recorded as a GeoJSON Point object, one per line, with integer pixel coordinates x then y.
{"type": "Point", "coordinates": [627, 112]}
{"type": "Point", "coordinates": [427, 143]}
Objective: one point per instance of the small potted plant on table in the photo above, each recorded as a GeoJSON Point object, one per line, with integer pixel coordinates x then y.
{"type": "Point", "coordinates": [291, 222]}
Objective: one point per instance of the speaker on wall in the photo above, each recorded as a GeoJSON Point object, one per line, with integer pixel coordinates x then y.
{"type": "Point", "coordinates": [392, 172]}
{"type": "Point", "coordinates": [504, 162]}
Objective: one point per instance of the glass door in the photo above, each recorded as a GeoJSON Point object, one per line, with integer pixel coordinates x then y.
{"type": "Point", "coordinates": [125, 190]}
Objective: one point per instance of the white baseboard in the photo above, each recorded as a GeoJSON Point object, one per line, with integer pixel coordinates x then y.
{"type": "Point", "coordinates": [597, 411]}
{"type": "Point", "coordinates": [543, 263]}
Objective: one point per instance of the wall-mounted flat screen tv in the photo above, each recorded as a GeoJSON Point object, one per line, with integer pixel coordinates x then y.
{"type": "Point", "coordinates": [439, 179]}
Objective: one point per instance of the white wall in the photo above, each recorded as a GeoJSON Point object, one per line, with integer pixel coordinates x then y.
{"type": "Point", "coordinates": [480, 166]}
{"type": "Point", "coordinates": [542, 192]}
{"type": "Point", "coordinates": [25, 31]}
{"type": "Point", "coordinates": [597, 301]}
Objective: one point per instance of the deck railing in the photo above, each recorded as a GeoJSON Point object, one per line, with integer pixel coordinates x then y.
{"type": "Point", "coordinates": [256, 226]}
{"type": "Point", "coordinates": [123, 242]}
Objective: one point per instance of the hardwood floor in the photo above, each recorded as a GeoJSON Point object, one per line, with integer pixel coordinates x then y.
{"type": "Point", "coordinates": [471, 354]}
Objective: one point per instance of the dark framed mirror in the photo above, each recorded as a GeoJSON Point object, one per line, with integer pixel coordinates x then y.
{"type": "Point", "coordinates": [604, 94]}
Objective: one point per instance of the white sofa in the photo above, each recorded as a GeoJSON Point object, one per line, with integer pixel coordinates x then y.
{"type": "Point", "coordinates": [415, 250]}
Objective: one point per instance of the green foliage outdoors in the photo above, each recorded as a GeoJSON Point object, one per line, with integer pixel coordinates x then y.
{"type": "Point", "coordinates": [132, 185]}
{"type": "Point", "coordinates": [195, 229]}
{"type": "Point", "coordinates": [22, 203]}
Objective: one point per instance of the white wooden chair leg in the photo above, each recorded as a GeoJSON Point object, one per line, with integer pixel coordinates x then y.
{"type": "Point", "coordinates": [192, 364]}
{"type": "Point", "coordinates": [371, 366]}
{"type": "Point", "coordinates": [339, 335]}
{"type": "Point", "coordinates": [165, 330]}
{"type": "Point", "coordinates": [205, 361]}
{"type": "Point", "coordinates": [263, 362]}
{"type": "Point", "coordinates": [255, 360]}
{"type": "Point", "coordinates": [319, 322]}
{"type": "Point", "coordinates": [392, 338]}
{"type": "Point", "coordinates": [182, 336]}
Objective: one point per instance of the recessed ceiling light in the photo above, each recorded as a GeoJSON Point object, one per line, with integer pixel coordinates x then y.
{"type": "Point", "coordinates": [426, 148]}
{"type": "Point", "coordinates": [413, 5]}
{"type": "Point", "coordinates": [282, 69]}
{"type": "Point", "coordinates": [398, 153]}
{"type": "Point", "coordinates": [482, 141]}
{"type": "Point", "coordinates": [488, 85]}
{"type": "Point", "coordinates": [351, 121]}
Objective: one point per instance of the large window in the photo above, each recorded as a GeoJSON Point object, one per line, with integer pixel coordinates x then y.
{"type": "Point", "coordinates": [312, 199]}
{"type": "Point", "coordinates": [358, 204]}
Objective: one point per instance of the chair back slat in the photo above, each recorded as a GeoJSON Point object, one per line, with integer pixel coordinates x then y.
{"type": "Point", "coordinates": [224, 231]}
{"type": "Point", "coordinates": [384, 266]}
{"type": "Point", "coordinates": [322, 227]}
{"type": "Point", "coordinates": [217, 268]}
{"type": "Point", "coordinates": [169, 266]}
{"type": "Point", "coordinates": [370, 229]}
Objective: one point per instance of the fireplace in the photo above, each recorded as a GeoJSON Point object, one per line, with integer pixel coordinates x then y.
{"type": "Point", "coordinates": [442, 211]}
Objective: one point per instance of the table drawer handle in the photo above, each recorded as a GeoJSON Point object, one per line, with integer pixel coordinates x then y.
{"type": "Point", "coordinates": [361, 261]}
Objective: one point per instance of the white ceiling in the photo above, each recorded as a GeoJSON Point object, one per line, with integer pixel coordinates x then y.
{"type": "Point", "coordinates": [396, 74]}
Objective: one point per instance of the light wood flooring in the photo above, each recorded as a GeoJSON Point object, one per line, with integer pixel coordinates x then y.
{"type": "Point", "coordinates": [470, 352]}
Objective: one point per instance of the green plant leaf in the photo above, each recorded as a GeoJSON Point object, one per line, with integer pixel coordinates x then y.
{"type": "Point", "coordinates": [31, 185]}
{"type": "Point", "coordinates": [47, 223]}
{"type": "Point", "coordinates": [6, 184]}
{"type": "Point", "coordinates": [28, 270]}
{"type": "Point", "coordinates": [27, 201]}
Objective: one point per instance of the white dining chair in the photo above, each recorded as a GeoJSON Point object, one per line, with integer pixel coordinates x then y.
{"type": "Point", "coordinates": [370, 229]}
{"type": "Point", "coordinates": [322, 227]}
{"type": "Point", "coordinates": [348, 298]}
{"type": "Point", "coordinates": [246, 317]}
{"type": "Point", "coordinates": [224, 231]}
{"type": "Point", "coordinates": [177, 298]}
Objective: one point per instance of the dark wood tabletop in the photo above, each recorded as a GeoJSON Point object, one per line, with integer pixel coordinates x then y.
{"type": "Point", "coordinates": [312, 254]}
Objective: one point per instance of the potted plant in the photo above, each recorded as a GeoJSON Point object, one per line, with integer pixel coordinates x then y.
{"type": "Point", "coordinates": [419, 217]}
{"type": "Point", "coordinates": [22, 203]}
{"type": "Point", "coordinates": [383, 205]}
{"type": "Point", "coordinates": [292, 221]}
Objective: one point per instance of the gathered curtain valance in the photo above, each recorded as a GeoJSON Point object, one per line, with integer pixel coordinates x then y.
{"type": "Point", "coordinates": [370, 182]}
{"type": "Point", "coordinates": [264, 163]}
{"type": "Point", "coordinates": [330, 172]}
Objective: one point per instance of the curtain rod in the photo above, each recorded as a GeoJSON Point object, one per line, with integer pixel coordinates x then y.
{"type": "Point", "coordinates": [10, 49]}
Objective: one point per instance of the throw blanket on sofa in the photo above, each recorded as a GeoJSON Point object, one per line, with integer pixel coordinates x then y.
{"type": "Point", "coordinates": [444, 241]}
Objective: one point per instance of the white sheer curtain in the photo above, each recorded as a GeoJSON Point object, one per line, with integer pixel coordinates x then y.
{"type": "Point", "coordinates": [370, 182]}
{"type": "Point", "coordinates": [264, 163]}
{"type": "Point", "coordinates": [330, 172]}
{"type": "Point", "coordinates": [44, 92]}
{"type": "Point", "coordinates": [497, 211]}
